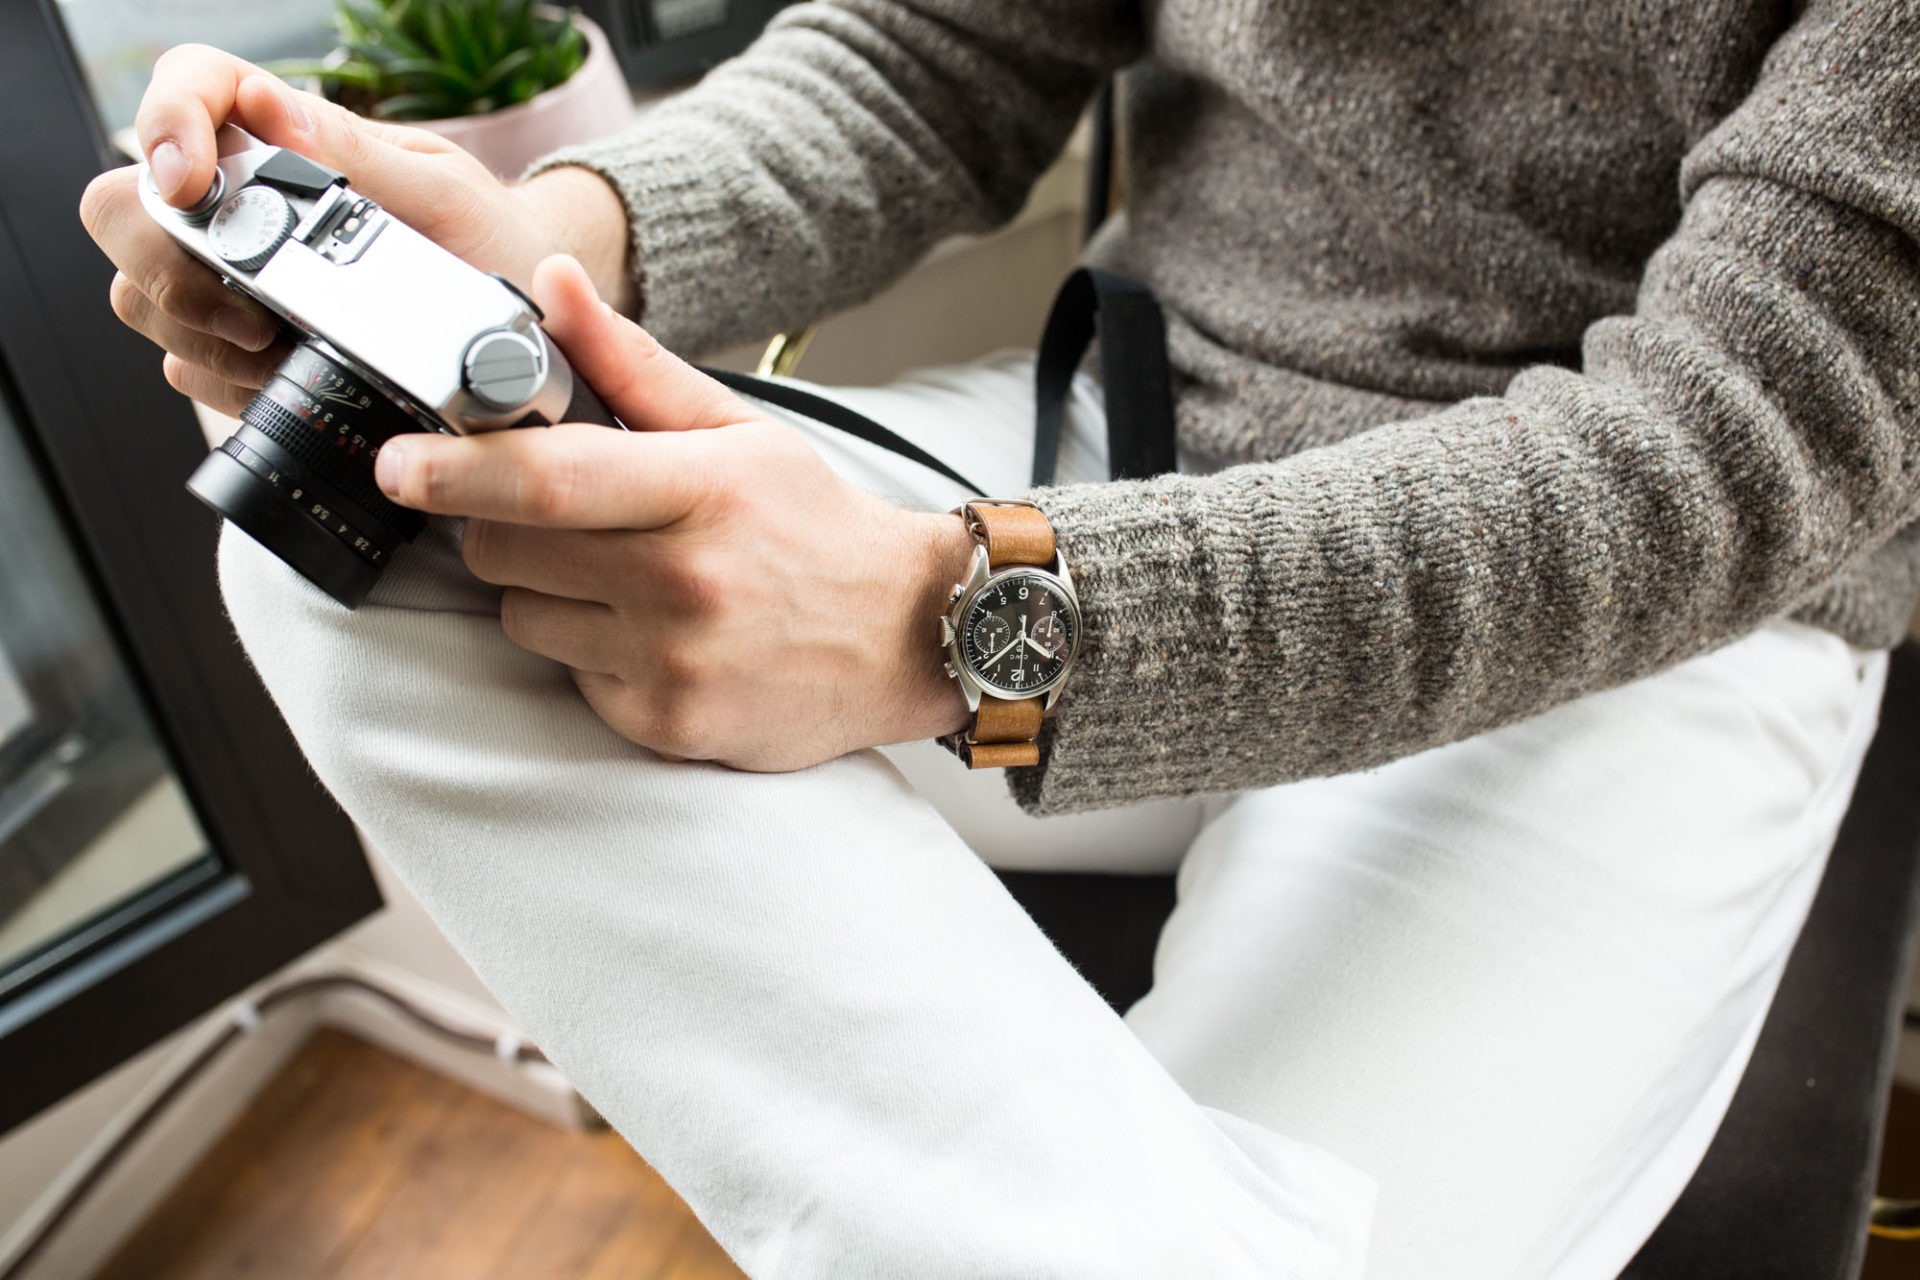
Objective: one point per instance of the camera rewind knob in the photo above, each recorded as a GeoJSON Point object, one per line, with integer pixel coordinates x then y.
{"type": "Point", "coordinates": [503, 369]}
{"type": "Point", "coordinates": [253, 223]}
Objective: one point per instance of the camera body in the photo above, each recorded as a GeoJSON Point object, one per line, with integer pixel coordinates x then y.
{"type": "Point", "coordinates": [393, 333]}
{"type": "Point", "coordinates": [460, 349]}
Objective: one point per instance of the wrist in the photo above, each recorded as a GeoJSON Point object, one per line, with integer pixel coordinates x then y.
{"type": "Point", "coordinates": [577, 212]}
{"type": "Point", "coordinates": [932, 703]}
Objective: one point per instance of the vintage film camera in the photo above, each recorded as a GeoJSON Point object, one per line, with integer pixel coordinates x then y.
{"type": "Point", "coordinates": [393, 333]}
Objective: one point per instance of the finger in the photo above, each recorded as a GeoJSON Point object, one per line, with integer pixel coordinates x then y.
{"type": "Point", "coordinates": [576, 563]}
{"type": "Point", "coordinates": [574, 633]}
{"type": "Point", "coordinates": [381, 160]}
{"type": "Point", "coordinates": [196, 89]}
{"type": "Point", "coordinates": [190, 97]}
{"type": "Point", "coordinates": [198, 384]}
{"type": "Point", "coordinates": [165, 273]}
{"type": "Point", "coordinates": [566, 477]}
{"type": "Point", "coordinates": [225, 360]}
{"type": "Point", "coordinates": [647, 386]}
{"type": "Point", "coordinates": [610, 699]}
{"type": "Point", "coordinates": [275, 112]}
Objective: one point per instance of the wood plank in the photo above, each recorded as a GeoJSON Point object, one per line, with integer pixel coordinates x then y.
{"type": "Point", "coordinates": [698, 1256]}
{"type": "Point", "coordinates": [477, 1181]}
{"type": "Point", "coordinates": [606, 1210]}
{"type": "Point", "coordinates": [293, 1183]}
{"type": "Point", "coordinates": [354, 1165]}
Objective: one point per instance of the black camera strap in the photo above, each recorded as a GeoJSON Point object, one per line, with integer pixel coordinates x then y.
{"type": "Point", "coordinates": [1133, 363]}
{"type": "Point", "coordinates": [1133, 366]}
{"type": "Point", "coordinates": [835, 415]}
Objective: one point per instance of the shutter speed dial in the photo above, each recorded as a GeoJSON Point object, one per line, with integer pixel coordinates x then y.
{"type": "Point", "coordinates": [252, 223]}
{"type": "Point", "coordinates": [504, 369]}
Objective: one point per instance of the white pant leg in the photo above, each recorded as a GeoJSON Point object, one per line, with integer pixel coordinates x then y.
{"type": "Point", "coordinates": [800, 996]}
{"type": "Point", "coordinates": [1517, 979]}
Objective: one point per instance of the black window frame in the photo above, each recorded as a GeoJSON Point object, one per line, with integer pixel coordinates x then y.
{"type": "Point", "coordinates": [116, 443]}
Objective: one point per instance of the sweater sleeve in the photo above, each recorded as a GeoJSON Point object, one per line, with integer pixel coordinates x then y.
{"type": "Point", "coordinates": [1738, 441]}
{"type": "Point", "coordinates": [808, 173]}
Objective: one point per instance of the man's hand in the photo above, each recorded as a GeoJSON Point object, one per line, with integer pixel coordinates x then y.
{"type": "Point", "coordinates": [222, 347]}
{"type": "Point", "coordinates": [717, 591]}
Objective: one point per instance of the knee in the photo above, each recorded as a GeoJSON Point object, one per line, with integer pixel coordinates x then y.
{"type": "Point", "coordinates": [264, 596]}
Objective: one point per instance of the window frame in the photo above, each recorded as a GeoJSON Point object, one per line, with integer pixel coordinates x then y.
{"type": "Point", "coordinates": [115, 444]}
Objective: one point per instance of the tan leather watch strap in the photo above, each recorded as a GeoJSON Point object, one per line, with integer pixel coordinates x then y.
{"type": "Point", "coordinates": [1012, 534]}
{"type": "Point", "coordinates": [1007, 719]}
{"type": "Point", "coordinates": [1005, 728]}
{"type": "Point", "coordinates": [1003, 733]}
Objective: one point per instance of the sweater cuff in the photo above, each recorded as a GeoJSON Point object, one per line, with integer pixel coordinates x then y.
{"type": "Point", "coordinates": [682, 220]}
{"type": "Point", "coordinates": [1176, 638]}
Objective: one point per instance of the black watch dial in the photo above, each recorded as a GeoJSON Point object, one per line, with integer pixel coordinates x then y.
{"type": "Point", "coordinates": [1018, 634]}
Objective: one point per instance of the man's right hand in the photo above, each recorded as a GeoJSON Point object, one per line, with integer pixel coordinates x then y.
{"type": "Point", "coordinates": [221, 347]}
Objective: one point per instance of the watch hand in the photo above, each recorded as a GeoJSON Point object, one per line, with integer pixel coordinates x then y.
{"type": "Point", "coordinates": [1011, 645]}
{"type": "Point", "coordinates": [1039, 648]}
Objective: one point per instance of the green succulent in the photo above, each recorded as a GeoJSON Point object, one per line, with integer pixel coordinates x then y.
{"type": "Point", "coordinates": [432, 59]}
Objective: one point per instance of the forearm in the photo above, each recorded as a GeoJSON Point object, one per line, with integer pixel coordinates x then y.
{"type": "Point", "coordinates": [807, 174]}
{"type": "Point", "coordinates": [1744, 437]}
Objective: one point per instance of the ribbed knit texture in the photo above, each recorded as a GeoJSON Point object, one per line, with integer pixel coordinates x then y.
{"type": "Point", "coordinates": [1634, 281]}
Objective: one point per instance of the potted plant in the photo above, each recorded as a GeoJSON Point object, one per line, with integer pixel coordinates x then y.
{"type": "Point", "coordinates": [509, 80]}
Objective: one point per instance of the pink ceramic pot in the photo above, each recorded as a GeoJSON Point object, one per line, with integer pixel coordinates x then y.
{"type": "Point", "coordinates": [593, 102]}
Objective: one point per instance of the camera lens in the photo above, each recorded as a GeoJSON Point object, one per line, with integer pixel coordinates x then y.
{"type": "Point", "coordinates": [297, 476]}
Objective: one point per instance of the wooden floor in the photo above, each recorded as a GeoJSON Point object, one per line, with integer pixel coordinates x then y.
{"type": "Point", "coordinates": [354, 1164]}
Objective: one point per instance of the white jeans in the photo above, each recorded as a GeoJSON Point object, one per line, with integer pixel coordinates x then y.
{"type": "Point", "coordinates": [1510, 983]}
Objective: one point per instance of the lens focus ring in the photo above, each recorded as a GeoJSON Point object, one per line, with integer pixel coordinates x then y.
{"type": "Point", "coordinates": [298, 475]}
{"type": "Point", "coordinates": [329, 453]}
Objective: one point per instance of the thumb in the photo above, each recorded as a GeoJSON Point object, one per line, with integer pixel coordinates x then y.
{"type": "Point", "coordinates": [647, 386]}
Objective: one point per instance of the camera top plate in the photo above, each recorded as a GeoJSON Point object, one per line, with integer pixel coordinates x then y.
{"type": "Point", "coordinates": [344, 272]}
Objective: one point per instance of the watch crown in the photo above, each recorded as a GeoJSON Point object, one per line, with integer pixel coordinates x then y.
{"type": "Point", "coordinates": [946, 630]}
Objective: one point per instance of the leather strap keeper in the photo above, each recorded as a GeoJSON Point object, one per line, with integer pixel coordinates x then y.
{"type": "Point", "coordinates": [999, 755]}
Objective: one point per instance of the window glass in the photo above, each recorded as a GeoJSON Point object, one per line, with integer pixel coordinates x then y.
{"type": "Point", "coordinates": [118, 40]}
{"type": "Point", "coordinates": [93, 822]}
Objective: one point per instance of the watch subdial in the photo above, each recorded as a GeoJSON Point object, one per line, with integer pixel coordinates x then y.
{"type": "Point", "coordinates": [1049, 633]}
{"type": "Point", "coordinates": [991, 634]}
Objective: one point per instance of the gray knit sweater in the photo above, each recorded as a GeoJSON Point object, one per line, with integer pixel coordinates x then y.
{"type": "Point", "coordinates": [1557, 342]}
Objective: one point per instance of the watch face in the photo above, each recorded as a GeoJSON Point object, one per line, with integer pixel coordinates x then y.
{"type": "Point", "coordinates": [1018, 634]}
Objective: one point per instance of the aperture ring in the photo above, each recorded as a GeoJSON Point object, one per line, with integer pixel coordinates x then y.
{"type": "Point", "coordinates": [346, 521]}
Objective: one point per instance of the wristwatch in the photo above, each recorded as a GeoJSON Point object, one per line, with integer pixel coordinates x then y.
{"type": "Point", "coordinates": [1011, 632]}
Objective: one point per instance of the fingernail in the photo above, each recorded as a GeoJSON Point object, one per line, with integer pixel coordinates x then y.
{"type": "Point", "coordinates": [241, 328]}
{"type": "Point", "coordinates": [390, 467]}
{"type": "Point", "coordinates": [168, 164]}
